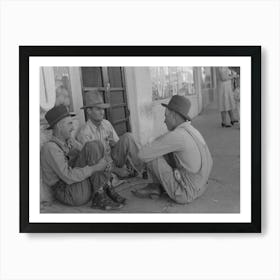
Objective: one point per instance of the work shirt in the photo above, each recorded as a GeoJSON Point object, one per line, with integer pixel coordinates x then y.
{"type": "Point", "coordinates": [55, 164]}
{"type": "Point", "coordinates": [178, 141]}
{"type": "Point", "coordinates": [103, 133]}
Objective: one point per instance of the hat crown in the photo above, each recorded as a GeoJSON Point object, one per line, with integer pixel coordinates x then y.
{"type": "Point", "coordinates": [179, 104]}
{"type": "Point", "coordinates": [93, 98]}
{"type": "Point", "coordinates": [55, 114]}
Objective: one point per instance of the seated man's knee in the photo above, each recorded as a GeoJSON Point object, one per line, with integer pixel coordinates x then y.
{"type": "Point", "coordinates": [151, 164]}
{"type": "Point", "coordinates": [127, 136]}
{"type": "Point", "coordinates": [157, 163]}
{"type": "Point", "coordinates": [94, 145]}
{"type": "Point", "coordinates": [182, 199]}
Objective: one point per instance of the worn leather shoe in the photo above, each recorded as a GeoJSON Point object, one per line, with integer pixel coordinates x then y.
{"type": "Point", "coordinates": [115, 196]}
{"type": "Point", "coordinates": [103, 202]}
{"type": "Point", "coordinates": [152, 190]}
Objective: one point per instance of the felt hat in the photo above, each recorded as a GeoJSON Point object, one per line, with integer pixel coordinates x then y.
{"type": "Point", "coordinates": [180, 104]}
{"type": "Point", "coordinates": [56, 114]}
{"type": "Point", "coordinates": [94, 99]}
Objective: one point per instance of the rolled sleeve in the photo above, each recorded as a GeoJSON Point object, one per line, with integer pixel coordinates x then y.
{"type": "Point", "coordinates": [170, 142]}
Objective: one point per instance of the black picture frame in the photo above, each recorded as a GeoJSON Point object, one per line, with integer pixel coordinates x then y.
{"type": "Point", "coordinates": [254, 52]}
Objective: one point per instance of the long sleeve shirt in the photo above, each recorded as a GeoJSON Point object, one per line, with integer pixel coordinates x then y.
{"type": "Point", "coordinates": [178, 141]}
{"type": "Point", "coordinates": [55, 164]}
{"type": "Point", "coordinates": [103, 133]}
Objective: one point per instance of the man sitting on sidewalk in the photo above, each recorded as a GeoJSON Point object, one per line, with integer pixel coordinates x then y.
{"type": "Point", "coordinates": [121, 152]}
{"type": "Point", "coordinates": [179, 161]}
{"type": "Point", "coordinates": [75, 176]}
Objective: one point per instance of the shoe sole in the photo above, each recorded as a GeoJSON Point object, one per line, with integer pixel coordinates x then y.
{"type": "Point", "coordinates": [120, 202]}
{"type": "Point", "coordinates": [150, 195]}
{"type": "Point", "coordinates": [106, 208]}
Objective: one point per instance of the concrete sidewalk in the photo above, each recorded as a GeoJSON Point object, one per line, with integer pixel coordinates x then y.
{"type": "Point", "coordinates": [222, 194]}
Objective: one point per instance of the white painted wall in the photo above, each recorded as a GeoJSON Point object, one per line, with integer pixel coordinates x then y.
{"type": "Point", "coordinates": [47, 88]}
{"type": "Point", "coordinates": [77, 97]}
{"type": "Point", "coordinates": [139, 95]}
{"type": "Point", "coordinates": [146, 115]}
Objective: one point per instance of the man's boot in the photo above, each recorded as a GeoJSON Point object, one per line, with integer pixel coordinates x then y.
{"type": "Point", "coordinates": [102, 201]}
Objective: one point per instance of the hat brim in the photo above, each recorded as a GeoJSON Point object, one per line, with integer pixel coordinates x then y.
{"type": "Point", "coordinates": [60, 118]}
{"type": "Point", "coordinates": [102, 106]}
{"type": "Point", "coordinates": [186, 117]}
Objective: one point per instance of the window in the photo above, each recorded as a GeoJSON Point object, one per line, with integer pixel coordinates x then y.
{"type": "Point", "coordinates": [168, 81]}
{"type": "Point", "coordinates": [63, 87]}
{"type": "Point", "coordinates": [207, 77]}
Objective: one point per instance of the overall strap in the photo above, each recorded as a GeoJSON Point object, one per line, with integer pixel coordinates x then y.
{"type": "Point", "coordinates": [172, 160]}
{"type": "Point", "coordinates": [60, 147]}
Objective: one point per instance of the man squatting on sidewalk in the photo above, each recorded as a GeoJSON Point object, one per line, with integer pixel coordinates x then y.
{"type": "Point", "coordinates": [179, 161]}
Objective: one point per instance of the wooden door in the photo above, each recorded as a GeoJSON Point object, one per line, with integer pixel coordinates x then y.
{"type": "Point", "coordinates": [110, 82]}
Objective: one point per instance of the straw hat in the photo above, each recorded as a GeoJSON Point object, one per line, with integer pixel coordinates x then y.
{"type": "Point", "coordinates": [94, 99]}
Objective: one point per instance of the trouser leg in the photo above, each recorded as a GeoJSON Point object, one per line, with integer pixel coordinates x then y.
{"type": "Point", "coordinates": [224, 116]}
{"type": "Point", "coordinates": [90, 155]}
{"type": "Point", "coordinates": [126, 148]}
{"type": "Point", "coordinates": [161, 172]}
{"type": "Point", "coordinates": [81, 192]}
{"type": "Point", "coordinates": [73, 195]}
{"type": "Point", "coordinates": [231, 115]}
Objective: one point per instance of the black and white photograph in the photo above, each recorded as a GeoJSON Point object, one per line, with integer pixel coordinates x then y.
{"type": "Point", "coordinates": [142, 138]}
{"type": "Point", "coordinates": [139, 140]}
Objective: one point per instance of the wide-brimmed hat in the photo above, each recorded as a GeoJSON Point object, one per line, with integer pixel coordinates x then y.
{"type": "Point", "coordinates": [94, 99]}
{"type": "Point", "coordinates": [180, 104]}
{"type": "Point", "coordinates": [56, 114]}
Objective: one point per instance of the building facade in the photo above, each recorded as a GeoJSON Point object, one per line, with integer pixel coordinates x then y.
{"type": "Point", "coordinates": [135, 94]}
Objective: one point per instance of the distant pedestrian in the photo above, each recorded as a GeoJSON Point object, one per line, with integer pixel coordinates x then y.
{"type": "Point", "coordinates": [179, 161]}
{"type": "Point", "coordinates": [226, 100]}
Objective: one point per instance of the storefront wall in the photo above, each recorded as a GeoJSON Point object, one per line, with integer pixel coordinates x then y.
{"type": "Point", "coordinates": [146, 115]}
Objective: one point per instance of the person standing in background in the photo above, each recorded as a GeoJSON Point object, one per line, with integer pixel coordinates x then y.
{"type": "Point", "coordinates": [226, 102]}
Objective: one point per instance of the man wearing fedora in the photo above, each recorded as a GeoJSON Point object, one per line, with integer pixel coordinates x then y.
{"type": "Point", "coordinates": [179, 161]}
{"type": "Point", "coordinates": [75, 177]}
{"type": "Point", "coordinates": [122, 151]}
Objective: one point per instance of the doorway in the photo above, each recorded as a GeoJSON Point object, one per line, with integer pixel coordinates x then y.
{"type": "Point", "coordinates": [110, 82]}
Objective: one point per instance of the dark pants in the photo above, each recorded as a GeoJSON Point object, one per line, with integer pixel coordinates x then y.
{"type": "Point", "coordinates": [80, 193]}
{"type": "Point", "coordinates": [127, 149]}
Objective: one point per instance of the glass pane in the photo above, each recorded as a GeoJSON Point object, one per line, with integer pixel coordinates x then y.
{"type": "Point", "coordinates": [92, 77]}
{"type": "Point", "coordinates": [118, 113]}
{"type": "Point", "coordinates": [207, 77]}
{"type": "Point", "coordinates": [168, 81]}
{"type": "Point", "coordinates": [116, 97]}
{"type": "Point", "coordinates": [115, 76]}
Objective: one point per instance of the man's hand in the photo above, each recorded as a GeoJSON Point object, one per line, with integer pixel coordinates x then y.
{"type": "Point", "coordinates": [112, 143]}
{"type": "Point", "coordinates": [74, 144]}
{"type": "Point", "coordinates": [101, 165]}
{"type": "Point", "coordinates": [121, 172]}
